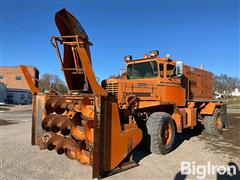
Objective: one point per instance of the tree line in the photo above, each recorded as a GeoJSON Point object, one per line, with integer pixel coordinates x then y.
{"type": "Point", "coordinates": [52, 82]}
{"type": "Point", "coordinates": [223, 83]}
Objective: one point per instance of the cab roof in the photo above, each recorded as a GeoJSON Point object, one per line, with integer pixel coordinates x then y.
{"type": "Point", "coordinates": [158, 59]}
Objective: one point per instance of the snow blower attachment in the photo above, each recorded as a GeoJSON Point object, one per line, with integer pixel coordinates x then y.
{"type": "Point", "coordinates": [83, 124]}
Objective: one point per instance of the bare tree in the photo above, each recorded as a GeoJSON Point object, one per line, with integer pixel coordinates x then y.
{"type": "Point", "coordinates": [226, 83]}
{"type": "Point", "coordinates": [113, 77]}
{"type": "Point", "coordinates": [52, 81]}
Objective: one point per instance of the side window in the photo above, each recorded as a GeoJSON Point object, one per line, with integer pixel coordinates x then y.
{"type": "Point", "coordinates": [1, 76]}
{"type": "Point", "coordinates": [161, 68]}
{"type": "Point", "coordinates": [171, 70]}
{"type": "Point", "coordinates": [22, 96]}
{"type": "Point", "coordinates": [10, 95]}
{"type": "Point", "coordinates": [18, 77]}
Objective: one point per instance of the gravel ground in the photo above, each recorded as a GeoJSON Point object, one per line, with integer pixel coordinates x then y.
{"type": "Point", "coordinates": [20, 160]}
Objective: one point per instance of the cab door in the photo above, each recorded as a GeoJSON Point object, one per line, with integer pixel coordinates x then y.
{"type": "Point", "coordinates": [170, 88]}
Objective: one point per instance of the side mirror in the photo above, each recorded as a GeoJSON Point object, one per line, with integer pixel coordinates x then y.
{"type": "Point", "coordinates": [179, 68]}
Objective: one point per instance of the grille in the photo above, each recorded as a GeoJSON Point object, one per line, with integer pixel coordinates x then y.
{"type": "Point", "coordinates": [112, 88]}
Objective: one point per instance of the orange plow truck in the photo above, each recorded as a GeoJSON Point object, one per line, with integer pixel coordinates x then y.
{"type": "Point", "coordinates": [101, 125]}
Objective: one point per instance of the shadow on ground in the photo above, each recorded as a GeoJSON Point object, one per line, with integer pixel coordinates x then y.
{"type": "Point", "coordinates": [4, 122]}
{"type": "Point", "coordinates": [143, 150]}
{"type": "Point", "coordinates": [187, 134]}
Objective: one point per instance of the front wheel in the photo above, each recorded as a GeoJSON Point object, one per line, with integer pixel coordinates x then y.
{"type": "Point", "coordinates": [161, 130]}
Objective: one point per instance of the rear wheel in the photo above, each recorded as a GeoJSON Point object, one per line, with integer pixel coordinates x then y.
{"type": "Point", "coordinates": [214, 124]}
{"type": "Point", "coordinates": [161, 130]}
{"type": "Point", "coordinates": [224, 114]}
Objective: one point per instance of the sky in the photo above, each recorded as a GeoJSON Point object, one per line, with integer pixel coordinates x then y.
{"type": "Point", "coordinates": [195, 32]}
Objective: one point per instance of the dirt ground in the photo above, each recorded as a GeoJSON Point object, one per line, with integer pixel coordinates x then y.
{"type": "Point", "coordinates": [20, 160]}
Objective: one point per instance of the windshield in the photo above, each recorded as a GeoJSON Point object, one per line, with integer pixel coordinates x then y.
{"type": "Point", "coordinates": [142, 70]}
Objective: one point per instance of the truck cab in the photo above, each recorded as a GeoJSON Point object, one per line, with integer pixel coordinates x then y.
{"type": "Point", "coordinates": [152, 80]}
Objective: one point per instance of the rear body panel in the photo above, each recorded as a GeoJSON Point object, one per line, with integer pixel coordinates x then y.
{"type": "Point", "coordinates": [198, 83]}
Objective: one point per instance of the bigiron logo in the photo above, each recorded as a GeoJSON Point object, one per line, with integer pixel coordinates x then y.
{"type": "Point", "coordinates": [200, 171]}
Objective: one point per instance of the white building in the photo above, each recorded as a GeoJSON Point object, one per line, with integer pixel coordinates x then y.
{"type": "Point", "coordinates": [14, 96]}
{"type": "Point", "coordinates": [18, 96]}
{"type": "Point", "coordinates": [236, 92]}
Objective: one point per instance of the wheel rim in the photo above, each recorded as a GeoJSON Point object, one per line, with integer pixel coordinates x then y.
{"type": "Point", "coordinates": [218, 122]}
{"type": "Point", "coordinates": [166, 134]}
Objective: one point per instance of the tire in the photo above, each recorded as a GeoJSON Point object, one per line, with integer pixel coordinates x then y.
{"type": "Point", "coordinates": [161, 131]}
{"type": "Point", "coordinates": [214, 124]}
{"type": "Point", "coordinates": [224, 114]}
